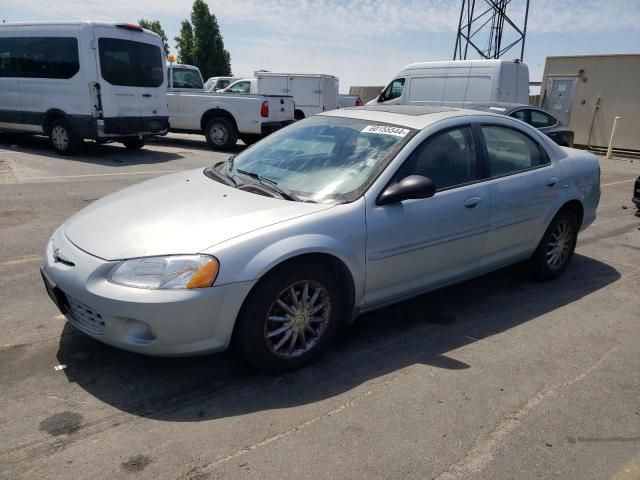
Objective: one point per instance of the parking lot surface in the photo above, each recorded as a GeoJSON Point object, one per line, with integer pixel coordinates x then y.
{"type": "Point", "coordinates": [497, 378]}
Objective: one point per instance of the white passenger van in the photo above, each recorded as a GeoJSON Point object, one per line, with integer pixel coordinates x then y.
{"type": "Point", "coordinates": [312, 92]}
{"type": "Point", "coordinates": [82, 80]}
{"type": "Point", "coordinates": [457, 82]}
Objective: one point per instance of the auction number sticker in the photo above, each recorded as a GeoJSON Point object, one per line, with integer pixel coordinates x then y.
{"type": "Point", "coordinates": [383, 130]}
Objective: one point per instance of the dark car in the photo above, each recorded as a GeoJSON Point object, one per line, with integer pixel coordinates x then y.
{"type": "Point", "coordinates": [536, 117]}
{"type": "Point", "coordinates": [636, 193]}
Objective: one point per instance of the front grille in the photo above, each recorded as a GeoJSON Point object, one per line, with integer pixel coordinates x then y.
{"type": "Point", "coordinates": [85, 317]}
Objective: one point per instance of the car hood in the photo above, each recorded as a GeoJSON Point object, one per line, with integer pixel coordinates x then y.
{"type": "Point", "coordinates": [185, 212]}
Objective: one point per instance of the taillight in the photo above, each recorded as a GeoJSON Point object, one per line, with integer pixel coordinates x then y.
{"type": "Point", "coordinates": [264, 109]}
{"type": "Point", "coordinates": [358, 102]}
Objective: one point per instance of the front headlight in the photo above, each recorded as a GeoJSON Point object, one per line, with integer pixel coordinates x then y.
{"type": "Point", "coordinates": [175, 271]}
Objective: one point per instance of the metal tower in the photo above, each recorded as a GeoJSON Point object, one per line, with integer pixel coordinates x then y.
{"type": "Point", "coordinates": [485, 26]}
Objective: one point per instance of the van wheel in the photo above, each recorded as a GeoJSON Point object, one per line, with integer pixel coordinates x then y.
{"type": "Point", "coordinates": [289, 317]}
{"type": "Point", "coordinates": [220, 134]}
{"type": "Point", "coordinates": [556, 247]}
{"type": "Point", "coordinates": [133, 143]}
{"type": "Point", "coordinates": [62, 138]}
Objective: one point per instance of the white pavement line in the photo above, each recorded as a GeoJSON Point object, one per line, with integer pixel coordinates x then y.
{"type": "Point", "coordinates": [618, 183]}
{"type": "Point", "coordinates": [18, 261]}
{"type": "Point", "coordinates": [62, 177]}
{"type": "Point", "coordinates": [481, 454]}
{"type": "Point", "coordinates": [197, 472]}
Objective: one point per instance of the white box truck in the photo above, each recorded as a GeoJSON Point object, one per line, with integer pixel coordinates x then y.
{"type": "Point", "coordinates": [312, 93]}
{"type": "Point", "coordinates": [82, 80]}
{"type": "Point", "coordinates": [457, 82]}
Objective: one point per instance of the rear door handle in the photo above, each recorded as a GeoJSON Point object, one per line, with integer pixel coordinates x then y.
{"type": "Point", "coordinates": [146, 95]}
{"type": "Point", "coordinates": [552, 182]}
{"type": "Point", "coordinates": [472, 202]}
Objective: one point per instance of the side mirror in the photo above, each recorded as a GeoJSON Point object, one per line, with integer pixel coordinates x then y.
{"type": "Point", "coordinates": [411, 187]}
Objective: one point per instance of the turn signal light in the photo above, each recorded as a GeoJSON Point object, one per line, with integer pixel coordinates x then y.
{"type": "Point", "coordinates": [205, 275]}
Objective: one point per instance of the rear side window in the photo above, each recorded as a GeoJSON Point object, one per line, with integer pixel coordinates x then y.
{"type": "Point", "coordinates": [186, 78]}
{"type": "Point", "coordinates": [541, 119]}
{"type": "Point", "coordinates": [511, 151]}
{"type": "Point", "coordinates": [39, 57]}
{"type": "Point", "coordinates": [520, 115]}
{"type": "Point", "coordinates": [130, 64]}
{"type": "Point", "coordinates": [240, 87]}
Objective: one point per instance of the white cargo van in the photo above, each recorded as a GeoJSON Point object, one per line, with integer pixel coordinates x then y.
{"type": "Point", "coordinates": [82, 80]}
{"type": "Point", "coordinates": [313, 93]}
{"type": "Point", "coordinates": [457, 82]}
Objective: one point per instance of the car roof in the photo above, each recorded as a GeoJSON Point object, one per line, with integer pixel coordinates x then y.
{"type": "Point", "coordinates": [498, 107]}
{"type": "Point", "coordinates": [412, 116]}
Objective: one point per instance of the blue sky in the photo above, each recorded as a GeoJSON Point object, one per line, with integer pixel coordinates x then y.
{"type": "Point", "coordinates": [363, 42]}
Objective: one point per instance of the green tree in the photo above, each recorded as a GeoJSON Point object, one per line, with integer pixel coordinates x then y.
{"type": "Point", "coordinates": [200, 43]}
{"type": "Point", "coordinates": [154, 26]}
{"type": "Point", "coordinates": [184, 44]}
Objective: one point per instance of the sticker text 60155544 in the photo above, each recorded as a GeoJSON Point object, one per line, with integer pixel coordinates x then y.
{"type": "Point", "coordinates": [384, 130]}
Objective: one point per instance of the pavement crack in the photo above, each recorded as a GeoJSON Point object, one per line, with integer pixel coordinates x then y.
{"type": "Point", "coordinates": [481, 454]}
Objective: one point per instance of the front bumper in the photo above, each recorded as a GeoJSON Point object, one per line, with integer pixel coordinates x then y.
{"type": "Point", "coordinates": [152, 322]}
{"type": "Point", "coordinates": [269, 127]}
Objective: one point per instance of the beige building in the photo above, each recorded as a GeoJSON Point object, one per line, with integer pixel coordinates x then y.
{"type": "Point", "coordinates": [588, 92]}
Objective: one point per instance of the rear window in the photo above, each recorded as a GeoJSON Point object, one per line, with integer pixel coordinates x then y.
{"type": "Point", "coordinates": [186, 78]}
{"type": "Point", "coordinates": [130, 64]}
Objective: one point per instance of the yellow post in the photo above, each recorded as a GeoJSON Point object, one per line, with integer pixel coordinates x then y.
{"type": "Point", "coordinates": [613, 131]}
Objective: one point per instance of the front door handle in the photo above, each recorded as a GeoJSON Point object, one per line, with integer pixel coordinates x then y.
{"type": "Point", "coordinates": [472, 202]}
{"type": "Point", "coordinates": [552, 182]}
{"type": "Point", "coordinates": [146, 95]}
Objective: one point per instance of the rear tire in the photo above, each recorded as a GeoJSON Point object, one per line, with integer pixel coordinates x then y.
{"type": "Point", "coordinates": [220, 133]}
{"type": "Point", "coordinates": [250, 139]}
{"type": "Point", "coordinates": [277, 331]}
{"type": "Point", "coordinates": [62, 138]}
{"type": "Point", "coordinates": [556, 247]}
{"type": "Point", "coordinates": [298, 115]}
{"type": "Point", "coordinates": [133, 143]}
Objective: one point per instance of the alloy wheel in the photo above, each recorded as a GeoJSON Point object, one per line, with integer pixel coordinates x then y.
{"type": "Point", "coordinates": [559, 245]}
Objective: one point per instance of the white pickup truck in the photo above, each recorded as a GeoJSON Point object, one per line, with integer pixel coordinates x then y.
{"type": "Point", "coordinates": [222, 118]}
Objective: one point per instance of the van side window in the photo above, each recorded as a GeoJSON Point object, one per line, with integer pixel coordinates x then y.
{"type": "Point", "coordinates": [448, 158]}
{"type": "Point", "coordinates": [186, 78]}
{"type": "Point", "coordinates": [39, 57]}
{"type": "Point", "coordinates": [393, 90]}
{"type": "Point", "coordinates": [130, 64]}
{"type": "Point", "coordinates": [511, 151]}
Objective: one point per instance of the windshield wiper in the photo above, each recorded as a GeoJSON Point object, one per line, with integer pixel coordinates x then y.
{"type": "Point", "coordinates": [273, 185]}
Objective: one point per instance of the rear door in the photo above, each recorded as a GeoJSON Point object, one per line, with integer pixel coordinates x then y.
{"type": "Point", "coordinates": [10, 116]}
{"type": "Point", "coordinates": [131, 71]}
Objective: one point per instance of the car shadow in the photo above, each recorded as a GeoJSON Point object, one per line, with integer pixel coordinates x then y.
{"type": "Point", "coordinates": [107, 154]}
{"type": "Point", "coordinates": [418, 331]}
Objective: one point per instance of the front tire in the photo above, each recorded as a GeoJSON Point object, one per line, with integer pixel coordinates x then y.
{"type": "Point", "coordinates": [63, 139]}
{"type": "Point", "coordinates": [556, 247]}
{"type": "Point", "coordinates": [220, 133]}
{"type": "Point", "coordinates": [290, 317]}
{"type": "Point", "coordinates": [133, 143]}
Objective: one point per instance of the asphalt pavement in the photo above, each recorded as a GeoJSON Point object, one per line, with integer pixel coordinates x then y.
{"type": "Point", "coordinates": [497, 378]}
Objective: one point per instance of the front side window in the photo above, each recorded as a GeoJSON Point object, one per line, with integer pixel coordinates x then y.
{"type": "Point", "coordinates": [39, 57]}
{"type": "Point", "coordinates": [130, 64]}
{"type": "Point", "coordinates": [541, 119]}
{"type": "Point", "coordinates": [511, 151]}
{"type": "Point", "coordinates": [323, 159]}
{"type": "Point", "coordinates": [240, 87]}
{"type": "Point", "coordinates": [393, 90]}
{"type": "Point", "coordinates": [448, 158]}
{"type": "Point", "coordinates": [186, 78]}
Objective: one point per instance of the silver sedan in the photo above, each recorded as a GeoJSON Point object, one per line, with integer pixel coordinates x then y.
{"type": "Point", "coordinates": [338, 214]}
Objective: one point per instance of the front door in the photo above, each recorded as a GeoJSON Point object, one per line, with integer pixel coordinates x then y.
{"type": "Point", "coordinates": [415, 245]}
{"type": "Point", "coordinates": [559, 97]}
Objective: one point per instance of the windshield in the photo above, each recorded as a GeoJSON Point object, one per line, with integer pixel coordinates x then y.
{"type": "Point", "coordinates": [323, 159]}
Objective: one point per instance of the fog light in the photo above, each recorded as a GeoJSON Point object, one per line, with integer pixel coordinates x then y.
{"type": "Point", "coordinates": [139, 331]}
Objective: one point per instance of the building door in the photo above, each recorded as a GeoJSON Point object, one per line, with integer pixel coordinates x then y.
{"type": "Point", "coordinates": [559, 97]}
